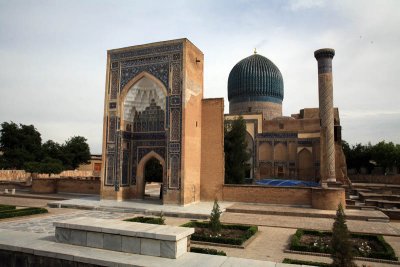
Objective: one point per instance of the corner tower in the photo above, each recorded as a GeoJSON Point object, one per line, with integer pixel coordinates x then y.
{"type": "Point", "coordinates": [255, 85]}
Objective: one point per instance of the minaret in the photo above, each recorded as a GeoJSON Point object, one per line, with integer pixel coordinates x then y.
{"type": "Point", "coordinates": [325, 88]}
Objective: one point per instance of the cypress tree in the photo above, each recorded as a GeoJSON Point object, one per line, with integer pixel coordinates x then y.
{"type": "Point", "coordinates": [235, 148]}
{"type": "Point", "coordinates": [342, 251]}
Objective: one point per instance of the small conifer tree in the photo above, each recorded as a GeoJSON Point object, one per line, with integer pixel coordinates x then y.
{"type": "Point", "coordinates": [162, 218]}
{"type": "Point", "coordinates": [342, 251]}
{"type": "Point", "coordinates": [215, 223]}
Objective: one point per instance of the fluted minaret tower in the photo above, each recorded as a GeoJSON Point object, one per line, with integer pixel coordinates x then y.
{"type": "Point", "coordinates": [325, 88]}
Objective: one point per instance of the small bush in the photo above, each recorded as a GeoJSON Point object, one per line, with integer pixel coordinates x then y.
{"type": "Point", "coordinates": [151, 220]}
{"type": "Point", "coordinates": [210, 251]}
{"type": "Point", "coordinates": [6, 207]}
{"type": "Point", "coordinates": [21, 212]}
{"type": "Point", "coordinates": [312, 263]}
{"type": "Point", "coordinates": [215, 224]}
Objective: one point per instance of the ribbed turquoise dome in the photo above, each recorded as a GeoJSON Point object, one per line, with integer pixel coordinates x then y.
{"type": "Point", "coordinates": [255, 78]}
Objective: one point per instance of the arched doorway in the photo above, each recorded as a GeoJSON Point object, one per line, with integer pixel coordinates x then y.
{"type": "Point", "coordinates": [150, 165]}
{"type": "Point", "coordinates": [153, 178]}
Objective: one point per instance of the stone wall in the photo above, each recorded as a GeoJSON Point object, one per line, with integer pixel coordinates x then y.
{"type": "Point", "coordinates": [66, 185]}
{"type": "Point", "coordinates": [266, 194]}
{"type": "Point", "coordinates": [318, 198]}
{"type": "Point", "coordinates": [376, 179]}
{"type": "Point", "coordinates": [14, 176]}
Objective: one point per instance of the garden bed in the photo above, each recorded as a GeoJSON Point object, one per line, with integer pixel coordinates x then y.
{"type": "Point", "coordinates": [234, 234]}
{"type": "Point", "coordinates": [367, 246]}
{"type": "Point", "coordinates": [151, 220]}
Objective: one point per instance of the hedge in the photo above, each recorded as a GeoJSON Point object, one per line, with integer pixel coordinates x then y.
{"type": "Point", "coordinates": [249, 231]}
{"type": "Point", "coordinates": [312, 263]}
{"type": "Point", "coordinates": [207, 251]}
{"type": "Point", "coordinates": [21, 212]}
{"type": "Point", "coordinates": [150, 220]}
{"type": "Point", "coordinates": [387, 254]}
{"type": "Point", "coordinates": [6, 207]}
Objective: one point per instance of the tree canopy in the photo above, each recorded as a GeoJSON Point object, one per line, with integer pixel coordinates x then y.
{"type": "Point", "coordinates": [236, 154]}
{"type": "Point", "coordinates": [23, 149]}
{"type": "Point", "coordinates": [385, 155]}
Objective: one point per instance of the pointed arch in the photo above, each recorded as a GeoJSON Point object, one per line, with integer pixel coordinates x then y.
{"type": "Point", "coordinates": [140, 179]}
{"type": "Point", "coordinates": [306, 170]}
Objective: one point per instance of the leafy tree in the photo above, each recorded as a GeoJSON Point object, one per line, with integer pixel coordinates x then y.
{"type": "Point", "coordinates": [385, 155]}
{"type": "Point", "coordinates": [75, 151]}
{"type": "Point", "coordinates": [236, 154]}
{"type": "Point", "coordinates": [215, 223]}
{"type": "Point", "coordinates": [52, 149]}
{"type": "Point", "coordinates": [342, 251]}
{"type": "Point", "coordinates": [48, 165]}
{"type": "Point", "coordinates": [19, 144]}
{"type": "Point", "coordinates": [22, 148]}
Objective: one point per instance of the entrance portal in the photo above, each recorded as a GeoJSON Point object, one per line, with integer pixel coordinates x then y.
{"type": "Point", "coordinates": [153, 177]}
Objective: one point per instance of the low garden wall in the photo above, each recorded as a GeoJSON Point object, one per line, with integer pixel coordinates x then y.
{"type": "Point", "coordinates": [319, 198]}
{"type": "Point", "coordinates": [88, 185]}
{"type": "Point", "coordinates": [376, 179]}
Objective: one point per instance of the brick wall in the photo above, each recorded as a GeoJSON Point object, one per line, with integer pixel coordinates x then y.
{"type": "Point", "coordinates": [66, 185]}
{"type": "Point", "coordinates": [265, 194]}
{"type": "Point", "coordinates": [212, 149]}
{"type": "Point", "coordinates": [377, 179]}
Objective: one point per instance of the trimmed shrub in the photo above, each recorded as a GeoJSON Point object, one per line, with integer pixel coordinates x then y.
{"type": "Point", "coordinates": [248, 232]}
{"type": "Point", "coordinates": [151, 220]}
{"type": "Point", "coordinates": [210, 251]}
{"type": "Point", "coordinates": [21, 212]}
{"type": "Point", "coordinates": [6, 207]}
{"type": "Point", "coordinates": [312, 263]}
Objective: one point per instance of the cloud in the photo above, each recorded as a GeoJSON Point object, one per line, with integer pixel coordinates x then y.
{"type": "Point", "coordinates": [53, 55]}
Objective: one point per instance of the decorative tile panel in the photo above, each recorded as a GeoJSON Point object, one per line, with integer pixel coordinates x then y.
{"type": "Point", "coordinates": [112, 125]}
{"type": "Point", "coordinates": [175, 124]}
{"type": "Point", "coordinates": [175, 169]}
{"type": "Point", "coordinates": [114, 84]}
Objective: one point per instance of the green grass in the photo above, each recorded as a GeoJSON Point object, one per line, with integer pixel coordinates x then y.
{"type": "Point", "coordinates": [248, 231]}
{"type": "Point", "coordinates": [10, 213]}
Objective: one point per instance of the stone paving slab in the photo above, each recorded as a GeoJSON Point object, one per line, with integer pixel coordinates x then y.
{"type": "Point", "coordinates": [200, 210]}
{"type": "Point", "coordinates": [41, 244]}
{"type": "Point", "coordinates": [45, 224]}
{"type": "Point", "coordinates": [305, 212]}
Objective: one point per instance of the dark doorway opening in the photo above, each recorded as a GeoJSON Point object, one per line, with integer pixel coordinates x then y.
{"type": "Point", "coordinates": [153, 177]}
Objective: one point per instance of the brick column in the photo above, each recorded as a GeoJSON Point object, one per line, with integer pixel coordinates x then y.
{"type": "Point", "coordinates": [325, 89]}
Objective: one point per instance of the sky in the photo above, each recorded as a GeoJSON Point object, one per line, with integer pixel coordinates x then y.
{"type": "Point", "coordinates": [53, 56]}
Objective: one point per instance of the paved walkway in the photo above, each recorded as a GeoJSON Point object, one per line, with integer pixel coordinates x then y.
{"type": "Point", "coordinates": [309, 223]}
{"type": "Point", "coordinates": [351, 214]}
{"type": "Point", "coordinates": [200, 210]}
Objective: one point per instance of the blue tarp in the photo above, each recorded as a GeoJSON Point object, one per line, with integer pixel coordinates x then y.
{"type": "Point", "coordinates": [280, 182]}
